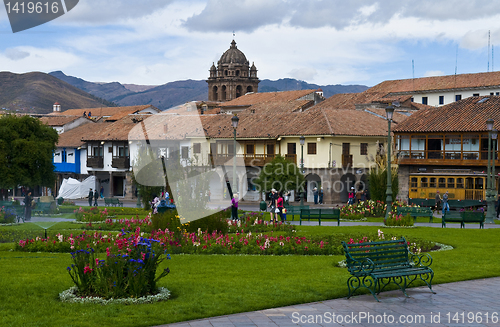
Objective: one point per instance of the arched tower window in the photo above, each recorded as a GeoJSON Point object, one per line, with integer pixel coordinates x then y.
{"type": "Point", "coordinates": [238, 91]}
{"type": "Point", "coordinates": [249, 89]}
{"type": "Point", "coordinates": [214, 93]}
{"type": "Point", "coordinates": [223, 93]}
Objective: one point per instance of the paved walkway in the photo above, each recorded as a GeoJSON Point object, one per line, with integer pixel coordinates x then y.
{"type": "Point", "coordinates": [469, 303]}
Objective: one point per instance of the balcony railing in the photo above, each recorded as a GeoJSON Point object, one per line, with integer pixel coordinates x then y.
{"type": "Point", "coordinates": [447, 156]}
{"type": "Point", "coordinates": [120, 162]}
{"type": "Point", "coordinates": [95, 162]}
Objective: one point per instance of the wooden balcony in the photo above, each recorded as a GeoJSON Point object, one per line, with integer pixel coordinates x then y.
{"type": "Point", "coordinates": [258, 160]}
{"type": "Point", "coordinates": [452, 158]}
{"type": "Point", "coordinates": [95, 162]}
{"type": "Point", "coordinates": [120, 162]}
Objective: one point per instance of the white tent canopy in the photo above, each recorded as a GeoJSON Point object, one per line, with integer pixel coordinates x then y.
{"type": "Point", "coordinates": [73, 189]}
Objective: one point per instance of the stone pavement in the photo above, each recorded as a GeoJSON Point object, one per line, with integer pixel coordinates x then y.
{"type": "Point", "coordinates": [468, 303]}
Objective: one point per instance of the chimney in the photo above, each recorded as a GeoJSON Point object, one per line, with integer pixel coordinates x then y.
{"type": "Point", "coordinates": [56, 107]}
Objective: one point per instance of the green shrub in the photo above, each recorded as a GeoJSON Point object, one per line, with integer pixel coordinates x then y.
{"type": "Point", "coordinates": [168, 219]}
{"type": "Point", "coordinates": [215, 222]}
{"type": "Point", "coordinates": [398, 220]}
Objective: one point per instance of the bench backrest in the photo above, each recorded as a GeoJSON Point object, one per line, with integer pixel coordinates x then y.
{"type": "Point", "coordinates": [452, 214]}
{"type": "Point", "coordinates": [385, 255]}
{"type": "Point", "coordinates": [473, 216]}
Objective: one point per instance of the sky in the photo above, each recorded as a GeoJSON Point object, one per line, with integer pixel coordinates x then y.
{"type": "Point", "coordinates": [325, 42]}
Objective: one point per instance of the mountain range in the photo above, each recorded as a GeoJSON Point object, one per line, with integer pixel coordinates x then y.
{"type": "Point", "coordinates": [36, 92]}
{"type": "Point", "coordinates": [175, 93]}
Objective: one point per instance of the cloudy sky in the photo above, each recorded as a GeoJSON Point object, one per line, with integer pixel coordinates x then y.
{"type": "Point", "coordinates": [319, 41]}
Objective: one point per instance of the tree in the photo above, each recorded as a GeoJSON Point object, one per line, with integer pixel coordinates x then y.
{"type": "Point", "coordinates": [377, 178]}
{"type": "Point", "coordinates": [280, 174]}
{"type": "Point", "coordinates": [26, 150]}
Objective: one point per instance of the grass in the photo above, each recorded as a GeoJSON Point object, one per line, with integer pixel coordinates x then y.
{"type": "Point", "coordinates": [205, 286]}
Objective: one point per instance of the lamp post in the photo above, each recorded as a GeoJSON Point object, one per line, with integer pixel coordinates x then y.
{"type": "Point", "coordinates": [494, 189]}
{"type": "Point", "coordinates": [234, 123]}
{"type": "Point", "coordinates": [489, 192]}
{"type": "Point", "coordinates": [302, 141]}
{"type": "Point", "coordinates": [389, 111]}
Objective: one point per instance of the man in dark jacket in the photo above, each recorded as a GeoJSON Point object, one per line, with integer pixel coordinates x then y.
{"type": "Point", "coordinates": [91, 195]}
{"type": "Point", "coordinates": [96, 196]}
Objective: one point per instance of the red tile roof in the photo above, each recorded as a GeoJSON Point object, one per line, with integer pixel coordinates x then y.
{"type": "Point", "coordinates": [116, 131]}
{"type": "Point", "coordinates": [255, 98]}
{"type": "Point", "coordinates": [104, 111]}
{"type": "Point", "coordinates": [435, 83]}
{"type": "Point", "coordinates": [468, 115]}
{"type": "Point", "coordinates": [75, 137]}
{"type": "Point", "coordinates": [58, 120]}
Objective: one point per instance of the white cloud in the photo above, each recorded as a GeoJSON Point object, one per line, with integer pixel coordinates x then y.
{"type": "Point", "coordinates": [16, 54]}
{"type": "Point", "coordinates": [38, 59]}
{"type": "Point", "coordinates": [434, 73]}
{"type": "Point", "coordinates": [303, 74]}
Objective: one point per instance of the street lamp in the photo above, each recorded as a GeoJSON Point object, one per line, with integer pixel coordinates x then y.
{"type": "Point", "coordinates": [489, 192]}
{"type": "Point", "coordinates": [302, 141]}
{"type": "Point", "coordinates": [389, 111]}
{"type": "Point", "coordinates": [494, 189]}
{"type": "Point", "coordinates": [234, 122]}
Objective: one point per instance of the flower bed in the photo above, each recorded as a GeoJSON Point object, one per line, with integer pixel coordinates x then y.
{"type": "Point", "coordinates": [398, 220]}
{"type": "Point", "coordinates": [128, 269]}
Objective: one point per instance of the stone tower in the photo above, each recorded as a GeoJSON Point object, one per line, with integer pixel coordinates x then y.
{"type": "Point", "coordinates": [233, 76]}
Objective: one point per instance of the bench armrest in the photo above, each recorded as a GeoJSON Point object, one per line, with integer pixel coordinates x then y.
{"type": "Point", "coordinates": [421, 260]}
{"type": "Point", "coordinates": [365, 267]}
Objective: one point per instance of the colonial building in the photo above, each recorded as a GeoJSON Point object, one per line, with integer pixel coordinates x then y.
{"type": "Point", "coordinates": [446, 149]}
{"type": "Point", "coordinates": [233, 76]}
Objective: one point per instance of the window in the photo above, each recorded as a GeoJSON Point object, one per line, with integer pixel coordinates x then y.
{"type": "Point", "coordinates": [432, 182]}
{"type": "Point", "coordinates": [311, 148]}
{"type": "Point", "coordinates": [441, 99]}
{"type": "Point", "coordinates": [411, 99]}
{"type": "Point", "coordinates": [460, 183]}
{"type": "Point", "coordinates": [475, 94]}
{"type": "Point", "coordinates": [184, 152]}
{"type": "Point", "coordinates": [423, 182]}
{"type": "Point", "coordinates": [110, 149]}
{"type": "Point", "coordinates": [251, 186]}
{"type": "Point", "coordinates": [292, 148]}
{"type": "Point", "coordinates": [497, 93]}
{"type": "Point", "coordinates": [458, 97]}
{"type": "Point", "coordinates": [442, 183]}
{"type": "Point", "coordinates": [197, 147]}
{"type": "Point", "coordinates": [424, 100]}
{"type": "Point", "coordinates": [451, 182]}
{"type": "Point", "coordinates": [230, 149]}
{"type": "Point", "coordinates": [250, 149]}
{"type": "Point", "coordinates": [413, 182]}
{"type": "Point", "coordinates": [364, 149]}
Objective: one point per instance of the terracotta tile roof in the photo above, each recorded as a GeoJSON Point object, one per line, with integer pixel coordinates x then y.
{"type": "Point", "coordinates": [74, 137]}
{"type": "Point", "coordinates": [355, 122]}
{"type": "Point", "coordinates": [349, 100]}
{"type": "Point", "coordinates": [255, 98]}
{"type": "Point", "coordinates": [280, 106]}
{"type": "Point", "coordinates": [468, 115]}
{"type": "Point", "coordinates": [435, 83]}
{"type": "Point", "coordinates": [167, 126]}
{"type": "Point", "coordinates": [58, 120]}
{"type": "Point", "coordinates": [116, 131]}
{"type": "Point", "coordinates": [104, 111]}
{"type": "Point", "coordinates": [397, 117]}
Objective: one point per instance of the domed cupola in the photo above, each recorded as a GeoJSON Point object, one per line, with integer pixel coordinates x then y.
{"type": "Point", "coordinates": [232, 77]}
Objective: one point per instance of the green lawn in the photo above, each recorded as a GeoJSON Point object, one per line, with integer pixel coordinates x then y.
{"type": "Point", "coordinates": [212, 285]}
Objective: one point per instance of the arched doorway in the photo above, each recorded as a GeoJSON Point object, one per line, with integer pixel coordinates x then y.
{"type": "Point", "coordinates": [312, 181]}
{"type": "Point", "coordinates": [348, 181]}
{"type": "Point", "coordinates": [362, 185]}
{"type": "Point", "coordinates": [215, 187]}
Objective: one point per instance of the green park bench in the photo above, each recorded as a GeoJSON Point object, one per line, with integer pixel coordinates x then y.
{"type": "Point", "coordinates": [416, 212]}
{"type": "Point", "coordinates": [422, 202]}
{"type": "Point", "coordinates": [463, 217]}
{"type": "Point", "coordinates": [19, 212]}
{"type": "Point", "coordinates": [385, 262]}
{"type": "Point", "coordinates": [112, 202]}
{"type": "Point", "coordinates": [294, 210]}
{"type": "Point", "coordinates": [320, 214]}
{"type": "Point", "coordinates": [460, 204]}
{"type": "Point", "coordinates": [6, 204]}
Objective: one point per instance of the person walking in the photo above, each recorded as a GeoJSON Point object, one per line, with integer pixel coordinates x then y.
{"type": "Point", "coordinates": [91, 195]}
{"type": "Point", "coordinates": [102, 192]}
{"type": "Point", "coordinates": [446, 206]}
{"type": "Point", "coordinates": [321, 193]}
{"type": "Point", "coordinates": [96, 196]}
{"type": "Point", "coordinates": [234, 208]}
{"type": "Point", "coordinates": [350, 199]}
{"type": "Point", "coordinates": [286, 198]}
{"type": "Point", "coordinates": [438, 201]}
{"type": "Point", "coordinates": [279, 207]}
{"type": "Point", "coordinates": [315, 193]}
{"type": "Point", "coordinates": [27, 206]}
{"type": "Point", "coordinates": [272, 204]}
